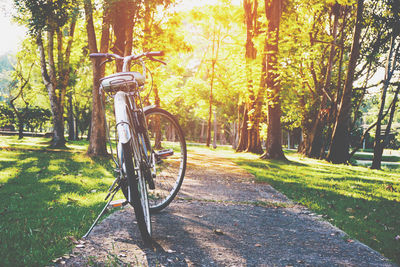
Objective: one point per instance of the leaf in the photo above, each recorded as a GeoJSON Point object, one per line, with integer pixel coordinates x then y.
{"type": "Point", "coordinates": [58, 260]}
{"type": "Point", "coordinates": [73, 239]}
{"type": "Point", "coordinates": [350, 210]}
{"type": "Point", "coordinates": [72, 200]}
{"type": "Point", "coordinates": [390, 188]}
{"type": "Point", "coordinates": [218, 232]}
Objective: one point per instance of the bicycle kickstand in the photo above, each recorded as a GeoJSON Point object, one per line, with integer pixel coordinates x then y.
{"type": "Point", "coordinates": [102, 213]}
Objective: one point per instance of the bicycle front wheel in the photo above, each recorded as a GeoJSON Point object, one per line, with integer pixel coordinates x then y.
{"type": "Point", "coordinates": [168, 155]}
{"type": "Point", "coordinates": [136, 193]}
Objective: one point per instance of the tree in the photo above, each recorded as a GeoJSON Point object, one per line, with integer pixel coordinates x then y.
{"type": "Point", "coordinates": [55, 69]}
{"type": "Point", "coordinates": [270, 79]}
{"type": "Point", "coordinates": [97, 145]}
{"type": "Point", "coordinates": [249, 140]}
{"type": "Point", "coordinates": [216, 42]}
{"type": "Point", "coordinates": [339, 147]}
{"type": "Point", "coordinates": [391, 65]}
{"type": "Point", "coordinates": [23, 83]}
{"type": "Point", "coordinates": [6, 116]}
{"type": "Point", "coordinates": [316, 146]}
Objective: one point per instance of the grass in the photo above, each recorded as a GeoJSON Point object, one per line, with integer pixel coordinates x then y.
{"type": "Point", "coordinates": [370, 156]}
{"type": "Point", "coordinates": [46, 198]}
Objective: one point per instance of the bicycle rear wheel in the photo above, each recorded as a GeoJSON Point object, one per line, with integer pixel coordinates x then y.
{"type": "Point", "coordinates": [169, 157]}
{"type": "Point", "coordinates": [135, 192]}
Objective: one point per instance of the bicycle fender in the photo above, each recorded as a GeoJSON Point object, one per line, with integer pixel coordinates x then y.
{"type": "Point", "coordinates": [121, 117]}
{"type": "Point", "coordinates": [148, 107]}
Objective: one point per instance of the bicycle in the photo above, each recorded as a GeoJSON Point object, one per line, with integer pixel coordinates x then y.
{"type": "Point", "coordinates": [150, 146]}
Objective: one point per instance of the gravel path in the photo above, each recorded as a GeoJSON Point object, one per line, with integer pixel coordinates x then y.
{"type": "Point", "coordinates": [222, 218]}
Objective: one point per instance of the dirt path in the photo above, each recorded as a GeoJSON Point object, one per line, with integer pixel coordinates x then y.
{"type": "Point", "coordinates": [221, 218]}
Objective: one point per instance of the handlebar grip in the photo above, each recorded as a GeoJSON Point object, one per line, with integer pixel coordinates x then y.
{"type": "Point", "coordinates": [98, 55]}
{"type": "Point", "coordinates": [155, 54]}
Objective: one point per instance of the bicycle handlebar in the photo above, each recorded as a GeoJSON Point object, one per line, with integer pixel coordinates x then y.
{"type": "Point", "coordinates": [149, 55]}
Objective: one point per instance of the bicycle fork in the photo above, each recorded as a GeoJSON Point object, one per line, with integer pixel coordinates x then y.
{"type": "Point", "coordinates": [124, 137]}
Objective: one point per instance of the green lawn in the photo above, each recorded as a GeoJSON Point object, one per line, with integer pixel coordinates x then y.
{"type": "Point", "coordinates": [387, 158]}
{"type": "Point", "coordinates": [46, 197]}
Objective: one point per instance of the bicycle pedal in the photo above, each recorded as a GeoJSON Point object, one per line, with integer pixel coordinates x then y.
{"type": "Point", "coordinates": [118, 203]}
{"type": "Point", "coordinates": [164, 153]}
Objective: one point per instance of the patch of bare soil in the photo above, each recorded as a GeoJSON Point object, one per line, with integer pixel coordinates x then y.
{"type": "Point", "coordinates": [222, 218]}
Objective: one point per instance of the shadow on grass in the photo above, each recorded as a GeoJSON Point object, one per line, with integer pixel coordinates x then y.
{"type": "Point", "coordinates": [355, 199]}
{"type": "Point", "coordinates": [46, 197]}
{"type": "Point", "coordinates": [267, 164]}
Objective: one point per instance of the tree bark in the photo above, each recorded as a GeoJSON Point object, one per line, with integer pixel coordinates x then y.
{"type": "Point", "coordinates": [273, 11]}
{"type": "Point", "coordinates": [381, 141]}
{"type": "Point", "coordinates": [214, 58]}
{"type": "Point", "coordinates": [71, 126]}
{"type": "Point", "coordinates": [242, 144]}
{"type": "Point", "coordinates": [50, 83]}
{"type": "Point", "coordinates": [339, 147]}
{"type": "Point", "coordinates": [250, 140]}
{"type": "Point", "coordinates": [97, 129]}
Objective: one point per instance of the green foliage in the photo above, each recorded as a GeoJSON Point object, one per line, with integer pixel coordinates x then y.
{"type": "Point", "coordinates": [43, 15]}
{"type": "Point", "coordinates": [32, 117]}
{"type": "Point", "coordinates": [6, 115]}
{"type": "Point", "coordinates": [192, 92]}
{"type": "Point", "coordinates": [35, 117]}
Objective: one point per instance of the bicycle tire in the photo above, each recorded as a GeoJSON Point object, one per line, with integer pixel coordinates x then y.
{"type": "Point", "coordinates": [169, 170]}
{"type": "Point", "coordinates": [137, 192]}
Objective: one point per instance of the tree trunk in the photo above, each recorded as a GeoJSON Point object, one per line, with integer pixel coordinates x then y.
{"type": "Point", "coordinates": [49, 80]}
{"type": "Point", "coordinates": [210, 101]}
{"type": "Point", "coordinates": [97, 129]}
{"type": "Point", "coordinates": [316, 149]}
{"type": "Point", "coordinates": [381, 141]}
{"type": "Point", "coordinates": [242, 144]}
{"type": "Point", "coordinates": [71, 126]}
{"type": "Point", "coordinates": [254, 102]}
{"type": "Point", "coordinates": [215, 130]}
{"type": "Point", "coordinates": [273, 11]}
{"type": "Point", "coordinates": [339, 147]}
{"type": "Point", "coordinates": [201, 139]}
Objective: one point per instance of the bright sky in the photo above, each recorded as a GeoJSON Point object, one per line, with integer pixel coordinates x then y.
{"type": "Point", "coordinates": [11, 34]}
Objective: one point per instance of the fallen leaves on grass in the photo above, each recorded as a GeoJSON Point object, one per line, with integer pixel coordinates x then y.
{"type": "Point", "coordinates": [73, 239]}
{"type": "Point", "coordinates": [218, 232]}
{"type": "Point", "coordinates": [350, 210]}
